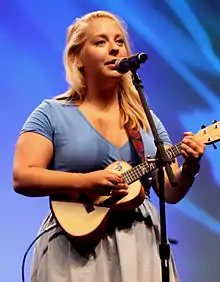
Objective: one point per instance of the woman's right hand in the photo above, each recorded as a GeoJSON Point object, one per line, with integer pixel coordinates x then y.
{"type": "Point", "coordinates": [104, 182]}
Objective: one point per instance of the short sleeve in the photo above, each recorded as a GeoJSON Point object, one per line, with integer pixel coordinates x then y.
{"type": "Point", "coordinates": [161, 130]}
{"type": "Point", "coordinates": [40, 121]}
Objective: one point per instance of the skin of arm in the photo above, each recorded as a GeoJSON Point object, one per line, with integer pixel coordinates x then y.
{"type": "Point", "coordinates": [173, 195]}
{"type": "Point", "coordinates": [192, 151]}
{"type": "Point", "coordinates": [31, 177]}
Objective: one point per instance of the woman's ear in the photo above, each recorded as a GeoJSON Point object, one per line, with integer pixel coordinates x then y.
{"type": "Point", "coordinates": [80, 68]}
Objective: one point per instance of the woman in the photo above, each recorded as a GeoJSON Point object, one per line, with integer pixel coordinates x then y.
{"type": "Point", "coordinates": [66, 144]}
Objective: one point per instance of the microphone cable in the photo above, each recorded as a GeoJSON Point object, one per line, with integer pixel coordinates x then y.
{"type": "Point", "coordinates": [28, 249]}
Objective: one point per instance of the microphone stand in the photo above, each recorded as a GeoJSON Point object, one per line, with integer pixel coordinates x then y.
{"type": "Point", "coordinates": [163, 161]}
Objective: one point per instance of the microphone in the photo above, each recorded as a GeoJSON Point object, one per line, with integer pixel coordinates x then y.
{"type": "Point", "coordinates": [133, 62]}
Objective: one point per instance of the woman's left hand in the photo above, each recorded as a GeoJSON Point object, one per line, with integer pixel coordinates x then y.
{"type": "Point", "coordinates": [192, 150]}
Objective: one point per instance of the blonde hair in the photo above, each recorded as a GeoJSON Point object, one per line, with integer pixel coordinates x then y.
{"type": "Point", "coordinates": [132, 112]}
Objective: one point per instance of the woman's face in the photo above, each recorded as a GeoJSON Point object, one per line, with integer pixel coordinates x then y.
{"type": "Point", "coordinates": [105, 43]}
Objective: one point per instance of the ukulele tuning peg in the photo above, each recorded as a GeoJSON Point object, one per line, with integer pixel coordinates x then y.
{"type": "Point", "coordinates": [216, 123]}
{"type": "Point", "coordinates": [214, 146]}
{"type": "Point", "coordinates": [203, 126]}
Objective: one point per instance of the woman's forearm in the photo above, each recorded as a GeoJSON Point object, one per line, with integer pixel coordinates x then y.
{"type": "Point", "coordinates": [39, 182]}
{"type": "Point", "coordinates": [185, 179]}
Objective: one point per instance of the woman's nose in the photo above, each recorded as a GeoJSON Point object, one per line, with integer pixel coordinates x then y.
{"type": "Point", "coordinates": [114, 49]}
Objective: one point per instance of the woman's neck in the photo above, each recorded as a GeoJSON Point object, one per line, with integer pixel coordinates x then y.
{"type": "Point", "coordinates": [102, 98]}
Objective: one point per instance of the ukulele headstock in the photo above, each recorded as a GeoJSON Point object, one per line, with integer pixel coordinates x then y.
{"type": "Point", "coordinates": [209, 135]}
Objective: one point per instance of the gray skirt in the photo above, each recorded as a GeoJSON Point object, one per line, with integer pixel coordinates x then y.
{"type": "Point", "coordinates": [128, 253]}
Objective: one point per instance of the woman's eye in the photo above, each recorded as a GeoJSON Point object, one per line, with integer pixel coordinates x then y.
{"type": "Point", "coordinates": [120, 41]}
{"type": "Point", "coordinates": [100, 42]}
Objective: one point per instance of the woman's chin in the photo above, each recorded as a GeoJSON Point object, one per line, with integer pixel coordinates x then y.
{"type": "Point", "coordinates": [113, 74]}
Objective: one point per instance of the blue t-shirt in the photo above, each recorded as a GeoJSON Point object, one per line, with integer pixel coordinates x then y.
{"type": "Point", "coordinates": [78, 146]}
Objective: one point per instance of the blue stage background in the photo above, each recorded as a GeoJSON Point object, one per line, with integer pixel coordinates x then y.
{"type": "Point", "coordinates": [182, 84]}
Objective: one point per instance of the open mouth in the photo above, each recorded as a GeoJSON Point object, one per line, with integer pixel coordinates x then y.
{"type": "Point", "coordinates": [112, 62]}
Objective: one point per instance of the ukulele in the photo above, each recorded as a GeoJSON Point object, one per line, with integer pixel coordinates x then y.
{"type": "Point", "coordinates": [85, 217]}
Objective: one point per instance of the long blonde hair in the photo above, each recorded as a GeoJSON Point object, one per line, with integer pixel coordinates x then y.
{"type": "Point", "coordinates": [132, 112]}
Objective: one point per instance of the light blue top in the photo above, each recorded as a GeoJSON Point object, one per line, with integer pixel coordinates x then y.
{"type": "Point", "coordinates": [78, 146]}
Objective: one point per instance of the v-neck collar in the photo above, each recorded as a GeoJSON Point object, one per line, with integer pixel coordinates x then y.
{"type": "Point", "coordinates": [99, 133]}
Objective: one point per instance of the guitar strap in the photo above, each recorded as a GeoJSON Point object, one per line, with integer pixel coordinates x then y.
{"type": "Point", "coordinates": [137, 142]}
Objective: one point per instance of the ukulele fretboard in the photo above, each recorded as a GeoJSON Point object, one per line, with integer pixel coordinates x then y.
{"type": "Point", "coordinates": [140, 170]}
